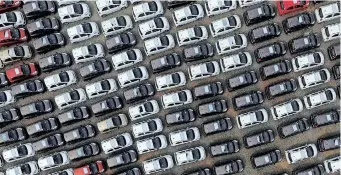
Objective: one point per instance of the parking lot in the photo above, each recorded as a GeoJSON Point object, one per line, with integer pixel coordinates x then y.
{"type": "Point", "coordinates": [244, 154]}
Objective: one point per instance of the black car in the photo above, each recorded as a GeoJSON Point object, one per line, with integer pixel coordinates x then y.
{"type": "Point", "coordinates": [231, 167]}
{"type": "Point", "coordinates": [293, 128]}
{"type": "Point", "coordinates": [217, 126]}
{"type": "Point", "coordinates": [329, 143]}
{"type": "Point", "coordinates": [172, 4]}
{"type": "Point", "coordinates": [38, 9]}
{"type": "Point", "coordinates": [336, 72]}
{"type": "Point", "coordinates": [43, 26]}
{"type": "Point", "coordinates": [165, 63]}
{"type": "Point", "coordinates": [298, 22]}
{"type": "Point", "coordinates": [30, 87]}
{"type": "Point", "coordinates": [120, 42]}
{"type": "Point", "coordinates": [74, 115]}
{"type": "Point", "coordinates": [55, 61]}
{"type": "Point", "coordinates": [3, 80]}
{"type": "Point", "coordinates": [259, 14]}
{"type": "Point", "coordinates": [258, 139]}
{"type": "Point", "coordinates": [266, 32]}
{"type": "Point", "coordinates": [280, 88]}
{"type": "Point", "coordinates": [314, 170]}
{"type": "Point", "coordinates": [304, 43]}
{"type": "Point", "coordinates": [208, 90]}
{"type": "Point", "coordinates": [334, 51]}
{"type": "Point", "coordinates": [265, 159]}
{"type": "Point", "coordinates": [49, 42]}
{"type": "Point", "coordinates": [224, 148]}
{"type": "Point", "coordinates": [9, 115]}
{"type": "Point", "coordinates": [95, 69]}
{"type": "Point", "coordinates": [211, 108]}
{"type": "Point", "coordinates": [107, 105]}
{"type": "Point", "coordinates": [180, 117]}
{"type": "Point", "coordinates": [275, 69]}
{"type": "Point", "coordinates": [325, 118]}
{"type": "Point", "coordinates": [198, 52]}
{"type": "Point", "coordinates": [242, 80]}
{"type": "Point", "coordinates": [271, 51]}
{"type": "Point", "coordinates": [139, 92]}
{"type": "Point", "coordinates": [247, 100]}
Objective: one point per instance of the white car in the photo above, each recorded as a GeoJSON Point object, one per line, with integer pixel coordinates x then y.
{"type": "Point", "coordinates": [153, 27]}
{"type": "Point", "coordinates": [147, 10]}
{"type": "Point", "coordinates": [184, 136]}
{"type": "Point", "coordinates": [332, 165]}
{"type": "Point", "coordinates": [319, 98]}
{"type": "Point", "coordinates": [70, 98]}
{"type": "Point", "coordinates": [314, 78]}
{"type": "Point", "coordinates": [175, 99]}
{"type": "Point", "coordinates": [158, 164]}
{"type": "Point", "coordinates": [203, 70]}
{"type": "Point", "coordinates": [12, 19]}
{"type": "Point", "coordinates": [236, 61]}
{"type": "Point", "coordinates": [148, 127]}
{"type": "Point", "coordinates": [18, 152]}
{"type": "Point", "coordinates": [231, 44]}
{"type": "Point", "coordinates": [217, 7]}
{"type": "Point", "coordinates": [83, 32]}
{"type": "Point", "coordinates": [287, 108]}
{"type": "Point", "coordinates": [159, 44]}
{"type": "Point", "coordinates": [151, 144]}
{"type": "Point", "coordinates": [116, 25]}
{"type": "Point", "coordinates": [6, 98]}
{"type": "Point", "coordinates": [170, 81]}
{"type": "Point", "coordinates": [60, 80]}
{"type": "Point", "coordinates": [301, 153]}
{"type": "Point", "coordinates": [307, 61]}
{"type": "Point", "coordinates": [331, 32]}
{"type": "Point", "coordinates": [190, 155]}
{"type": "Point", "coordinates": [74, 12]}
{"type": "Point", "coordinates": [252, 118]}
{"type": "Point", "coordinates": [14, 54]}
{"type": "Point", "coordinates": [143, 110]}
{"type": "Point", "coordinates": [126, 58]}
{"type": "Point", "coordinates": [191, 35]}
{"type": "Point", "coordinates": [225, 25]}
{"type": "Point", "coordinates": [101, 88]}
{"type": "Point", "coordinates": [328, 12]}
{"type": "Point", "coordinates": [106, 7]}
{"type": "Point", "coordinates": [28, 168]}
{"type": "Point", "coordinates": [88, 53]}
{"type": "Point", "coordinates": [188, 14]}
{"type": "Point", "coordinates": [54, 160]}
{"type": "Point", "coordinates": [246, 3]}
{"type": "Point", "coordinates": [116, 143]}
{"type": "Point", "coordinates": [132, 76]}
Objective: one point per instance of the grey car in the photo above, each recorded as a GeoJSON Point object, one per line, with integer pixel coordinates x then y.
{"type": "Point", "coordinates": [3, 80]}
{"type": "Point", "coordinates": [259, 138]}
{"type": "Point", "coordinates": [211, 108]}
{"type": "Point", "coordinates": [76, 114]}
{"type": "Point", "coordinates": [81, 133]}
{"type": "Point", "coordinates": [241, 80]}
{"type": "Point", "coordinates": [198, 52]}
{"type": "Point", "coordinates": [231, 167]}
{"type": "Point", "coordinates": [139, 92]}
{"type": "Point", "coordinates": [208, 90]}
{"type": "Point", "coordinates": [120, 42]}
{"type": "Point", "coordinates": [48, 143]}
{"type": "Point", "coordinates": [48, 42]}
{"type": "Point", "coordinates": [106, 106]}
{"type": "Point", "coordinates": [122, 159]}
{"type": "Point", "coordinates": [227, 147]}
{"type": "Point", "coordinates": [247, 100]}
{"type": "Point", "coordinates": [43, 26]}
{"type": "Point", "coordinates": [42, 127]}
{"type": "Point", "coordinates": [95, 69]}
{"type": "Point", "coordinates": [265, 159]}
{"type": "Point", "coordinates": [36, 108]}
{"type": "Point", "coordinates": [84, 151]}
{"type": "Point", "coordinates": [180, 117]}
{"type": "Point", "coordinates": [54, 62]}
{"type": "Point", "coordinates": [12, 135]}
{"type": "Point", "coordinates": [9, 115]}
{"type": "Point", "coordinates": [37, 9]}
{"type": "Point", "coordinates": [217, 126]}
{"type": "Point", "coordinates": [293, 128]}
{"type": "Point", "coordinates": [133, 171]}
{"type": "Point", "coordinates": [28, 88]}
{"type": "Point", "coordinates": [201, 171]}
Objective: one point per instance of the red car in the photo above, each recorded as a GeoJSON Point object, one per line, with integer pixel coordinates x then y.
{"type": "Point", "coordinates": [90, 169]}
{"type": "Point", "coordinates": [21, 72]}
{"type": "Point", "coordinates": [288, 6]}
{"type": "Point", "coordinates": [6, 5]}
{"type": "Point", "coordinates": [13, 36]}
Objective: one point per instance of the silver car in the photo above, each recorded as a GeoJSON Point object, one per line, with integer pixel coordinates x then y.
{"type": "Point", "coordinates": [188, 14]}
{"type": "Point", "coordinates": [70, 98]}
{"type": "Point", "coordinates": [83, 32]}
{"type": "Point", "coordinates": [147, 127]}
{"type": "Point", "coordinates": [116, 25]}
{"type": "Point", "coordinates": [190, 155]}
{"type": "Point", "coordinates": [147, 10]}
{"type": "Point", "coordinates": [101, 88]}
{"type": "Point", "coordinates": [159, 44]}
{"type": "Point", "coordinates": [169, 81]}
{"type": "Point", "coordinates": [12, 19]}
{"type": "Point", "coordinates": [117, 121]}
{"type": "Point", "coordinates": [191, 35]}
{"type": "Point", "coordinates": [28, 168]}
{"type": "Point", "coordinates": [88, 53]}
{"type": "Point", "coordinates": [132, 76]}
{"type": "Point", "coordinates": [158, 164]}
{"type": "Point", "coordinates": [60, 80]}
{"type": "Point", "coordinates": [217, 7]}
{"type": "Point", "coordinates": [151, 144]}
{"type": "Point", "coordinates": [203, 70]}
{"type": "Point", "coordinates": [143, 110]}
{"type": "Point", "coordinates": [116, 143]}
{"type": "Point", "coordinates": [184, 136]}
{"type": "Point", "coordinates": [175, 99]}
{"type": "Point", "coordinates": [225, 25]}
{"type": "Point", "coordinates": [153, 27]}
{"type": "Point", "coordinates": [54, 160]}
{"type": "Point", "coordinates": [126, 58]}
{"type": "Point", "coordinates": [231, 44]}
{"type": "Point", "coordinates": [74, 12]}
{"type": "Point", "coordinates": [110, 6]}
